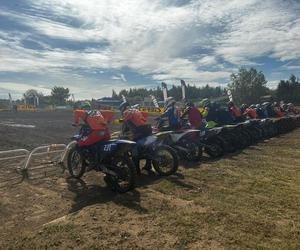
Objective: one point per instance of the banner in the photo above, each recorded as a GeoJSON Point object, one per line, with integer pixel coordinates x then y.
{"type": "Point", "coordinates": [10, 100]}
{"type": "Point", "coordinates": [37, 101]}
{"type": "Point", "coordinates": [155, 102]}
{"type": "Point", "coordinates": [165, 90]}
{"type": "Point", "coordinates": [229, 95]}
{"type": "Point", "coordinates": [183, 88]}
{"type": "Point", "coordinates": [124, 98]}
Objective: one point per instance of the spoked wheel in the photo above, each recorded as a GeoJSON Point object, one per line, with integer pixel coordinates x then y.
{"type": "Point", "coordinates": [241, 140]}
{"type": "Point", "coordinates": [248, 137]}
{"type": "Point", "coordinates": [213, 150]}
{"type": "Point", "coordinates": [228, 145]}
{"type": "Point", "coordinates": [194, 151]}
{"type": "Point", "coordinates": [76, 163]}
{"type": "Point", "coordinates": [165, 160]}
{"type": "Point", "coordinates": [125, 175]}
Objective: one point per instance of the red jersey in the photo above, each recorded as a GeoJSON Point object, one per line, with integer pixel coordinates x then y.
{"type": "Point", "coordinates": [235, 111]}
{"type": "Point", "coordinates": [195, 117]}
{"type": "Point", "coordinates": [135, 116]}
{"type": "Point", "coordinates": [98, 124]}
{"type": "Point", "coordinates": [94, 119]}
{"type": "Point", "coordinates": [251, 113]}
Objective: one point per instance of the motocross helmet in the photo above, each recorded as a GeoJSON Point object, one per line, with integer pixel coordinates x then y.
{"type": "Point", "coordinates": [190, 104]}
{"type": "Point", "coordinates": [85, 106]}
{"type": "Point", "coordinates": [136, 106]}
{"type": "Point", "coordinates": [123, 106]}
{"type": "Point", "coordinates": [244, 106]}
{"type": "Point", "coordinates": [205, 103]}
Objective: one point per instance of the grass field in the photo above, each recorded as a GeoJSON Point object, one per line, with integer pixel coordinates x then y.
{"type": "Point", "coordinates": [248, 200]}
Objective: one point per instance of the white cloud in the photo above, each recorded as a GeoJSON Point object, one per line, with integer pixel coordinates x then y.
{"type": "Point", "coordinates": [207, 60]}
{"type": "Point", "coordinates": [152, 38]}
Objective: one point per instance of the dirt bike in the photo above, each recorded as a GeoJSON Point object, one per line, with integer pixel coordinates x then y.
{"type": "Point", "coordinates": [183, 141]}
{"type": "Point", "coordinates": [208, 140]}
{"type": "Point", "coordinates": [162, 157]}
{"type": "Point", "coordinates": [212, 143]}
{"type": "Point", "coordinates": [254, 129]}
{"type": "Point", "coordinates": [111, 157]}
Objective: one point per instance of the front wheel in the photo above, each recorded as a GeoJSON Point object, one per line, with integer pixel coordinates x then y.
{"type": "Point", "coordinates": [194, 151]}
{"type": "Point", "coordinates": [76, 163]}
{"type": "Point", "coordinates": [125, 175]}
{"type": "Point", "coordinates": [213, 148]}
{"type": "Point", "coordinates": [165, 160]}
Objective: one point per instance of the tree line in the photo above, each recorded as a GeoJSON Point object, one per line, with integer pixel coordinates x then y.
{"type": "Point", "coordinates": [247, 86]}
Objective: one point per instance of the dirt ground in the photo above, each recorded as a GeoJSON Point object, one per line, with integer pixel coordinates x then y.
{"type": "Point", "coordinates": [246, 200]}
{"type": "Point", "coordinates": [32, 129]}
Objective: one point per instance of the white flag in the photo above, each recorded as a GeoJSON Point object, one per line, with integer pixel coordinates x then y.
{"type": "Point", "coordinates": [165, 90]}
{"type": "Point", "coordinates": [183, 88]}
{"type": "Point", "coordinates": [154, 101]}
{"type": "Point", "coordinates": [124, 98]}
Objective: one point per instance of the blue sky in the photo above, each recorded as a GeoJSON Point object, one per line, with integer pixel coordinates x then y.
{"type": "Point", "coordinates": [93, 46]}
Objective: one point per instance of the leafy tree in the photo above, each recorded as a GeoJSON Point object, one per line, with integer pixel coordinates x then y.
{"type": "Point", "coordinates": [60, 95]}
{"type": "Point", "coordinates": [114, 95]}
{"type": "Point", "coordinates": [289, 91]}
{"type": "Point", "coordinates": [247, 86]}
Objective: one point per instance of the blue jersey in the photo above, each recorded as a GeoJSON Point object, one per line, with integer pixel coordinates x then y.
{"type": "Point", "coordinates": [173, 116]}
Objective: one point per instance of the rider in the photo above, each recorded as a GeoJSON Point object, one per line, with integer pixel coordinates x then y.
{"type": "Point", "coordinates": [96, 122]}
{"type": "Point", "coordinates": [172, 113]}
{"type": "Point", "coordinates": [194, 115]}
{"type": "Point", "coordinates": [259, 111]}
{"type": "Point", "coordinates": [268, 109]}
{"type": "Point", "coordinates": [250, 112]}
{"type": "Point", "coordinates": [277, 110]}
{"type": "Point", "coordinates": [291, 109]}
{"type": "Point", "coordinates": [235, 111]}
{"type": "Point", "coordinates": [134, 122]}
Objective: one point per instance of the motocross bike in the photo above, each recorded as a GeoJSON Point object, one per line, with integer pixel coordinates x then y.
{"type": "Point", "coordinates": [162, 157]}
{"type": "Point", "coordinates": [183, 141]}
{"type": "Point", "coordinates": [208, 140]}
{"type": "Point", "coordinates": [111, 157]}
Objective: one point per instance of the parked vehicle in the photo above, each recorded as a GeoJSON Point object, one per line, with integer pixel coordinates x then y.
{"type": "Point", "coordinates": [111, 157]}
{"type": "Point", "coordinates": [183, 141]}
{"type": "Point", "coordinates": [161, 157]}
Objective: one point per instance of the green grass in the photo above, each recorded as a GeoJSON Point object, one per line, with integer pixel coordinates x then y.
{"type": "Point", "coordinates": [249, 200]}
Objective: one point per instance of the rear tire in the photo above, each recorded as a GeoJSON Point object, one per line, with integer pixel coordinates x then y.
{"type": "Point", "coordinates": [126, 175]}
{"type": "Point", "coordinates": [195, 152]}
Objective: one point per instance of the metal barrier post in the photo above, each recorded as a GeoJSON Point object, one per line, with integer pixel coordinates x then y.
{"type": "Point", "coordinates": [50, 149]}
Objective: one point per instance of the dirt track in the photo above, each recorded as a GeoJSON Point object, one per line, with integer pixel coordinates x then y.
{"type": "Point", "coordinates": [50, 127]}
{"type": "Point", "coordinates": [31, 129]}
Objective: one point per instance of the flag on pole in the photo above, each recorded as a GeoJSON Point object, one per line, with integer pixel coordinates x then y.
{"type": "Point", "coordinates": [229, 95]}
{"type": "Point", "coordinates": [154, 100]}
{"type": "Point", "coordinates": [165, 90]}
{"type": "Point", "coordinates": [124, 98]}
{"type": "Point", "coordinates": [10, 100]}
{"type": "Point", "coordinates": [183, 88]}
{"type": "Point", "coordinates": [37, 101]}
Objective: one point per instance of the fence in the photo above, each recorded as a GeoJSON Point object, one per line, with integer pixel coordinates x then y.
{"type": "Point", "coordinates": [20, 164]}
